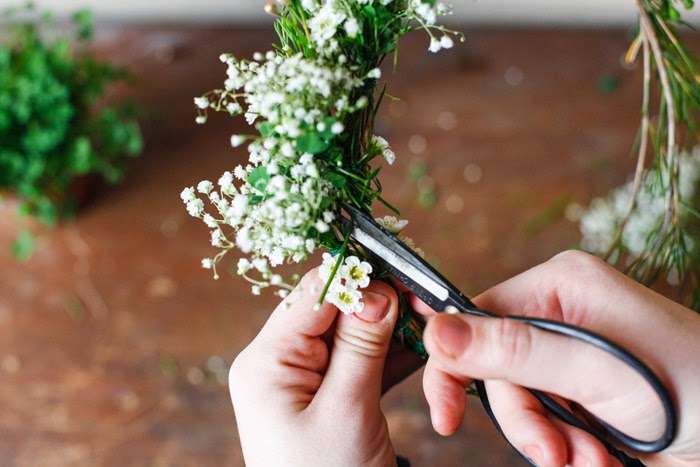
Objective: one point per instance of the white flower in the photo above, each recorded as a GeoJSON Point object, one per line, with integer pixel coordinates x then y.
{"type": "Point", "coordinates": [326, 268]}
{"type": "Point", "coordinates": [383, 145]}
{"type": "Point", "coordinates": [356, 272]}
{"type": "Point", "coordinates": [217, 238]}
{"type": "Point", "coordinates": [205, 187]}
{"type": "Point", "coordinates": [255, 289]}
{"type": "Point", "coordinates": [243, 266]}
{"type": "Point", "coordinates": [309, 5]}
{"type": "Point", "coordinates": [337, 128]}
{"type": "Point", "coordinates": [321, 226]}
{"type": "Point", "coordinates": [392, 224]}
{"type": "Point", "coordinates": [237, 140]}
{"type": "Point", "coordinates": [276, 279]}
{"type": "Point", "coordinates": [195, 208]}
{"type": "Point", "coordinates": [376, 73]}
{"type": "Point", "coordinates": [188, 194]}
{"type": "Point", "coordinates": [435, 45]}
{"type": "Point", "coordinates": [347, 299]}
{"type": "Point", "coordinates": [201, 102]}
{"type": "Point", "coordinates": [240, 173]}
{"type": "Point", "coordinates": [446, 42]}
{"type": "Point", "coordinates": [324, 24]}
{"type": "Point", "coordinates": [209, 221]}
{"type": "Point", "coordinates": [207, 263]}
{"type": "Point", "coordinates": [201, 119]}
{"type": "Point", "coordinates": [352, 27]}
{"type": "Point", "coordinates": [389, 156]}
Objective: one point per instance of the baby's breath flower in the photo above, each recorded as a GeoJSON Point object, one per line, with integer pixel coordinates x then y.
{"type": "Point", "coordinates": [237, 140]}
{"type": "Point", "coordinates": [599, 225]}
{"type": "Point", "coordinates": [376, 73]}
{"type": "Point", "coordinates": [201, 102]}
{"type": "Point", "coordinates": [205, 187]}
{"type": "Point", "coordinates": [279, 206]}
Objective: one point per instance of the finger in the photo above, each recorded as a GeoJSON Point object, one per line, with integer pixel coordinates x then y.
{"type": "Point", "coordinates": [446, 399]}
{"type": "Point", "coordinates": [360, 347]}
{"type": "Point", "coordinates": [584, 449]}
{"type": "Point", "coordinates": [419, 306]}
{"type": "Point", "coordinates": [492, 348]}
{"type": "Point", "coordinates": [299, 313]}
{"type": "Point", "coordinates": [526, 425]}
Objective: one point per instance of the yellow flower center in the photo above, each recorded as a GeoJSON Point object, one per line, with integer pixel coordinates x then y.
{"type": "Point", "coordinates": [345, 297]}
{"type": "Point", "coordinates": [356, 273]}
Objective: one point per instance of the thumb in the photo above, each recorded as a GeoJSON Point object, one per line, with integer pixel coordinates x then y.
{"type": "Point", "coordinates": [496, 348]}
{"type": "Point", "coordinates": [360, 347]}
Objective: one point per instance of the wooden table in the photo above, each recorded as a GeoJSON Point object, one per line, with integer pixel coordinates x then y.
{"type": "Point", "coordinates": [114, 344]}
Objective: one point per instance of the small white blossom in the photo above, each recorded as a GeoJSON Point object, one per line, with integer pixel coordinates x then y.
{"type": "Point", "coordinates": [188, 194]}
{"type": "Point", "coordinates": [346, 298]}
{"type": "Point", "coordinates": [237, 140]}
{"type": "Point", "coordinates": [201, 102]}
{"type": "Point", "coordinates": [205, 187]}
{"type": "Point", "coordinates": [352, 27]}
{"type": "Point", "coordinates": [337, 128]}
{"type": "Point", "coordinates": [446, 42]}
{"type": "Point", "coordinates": [195, 208]}
{"type": "Point", "coordinates": [207, 263]}
{"type": "Point", "coordinates": [375, 74]}
{"type": "Point", "coordinates": [356, 272]}
{"type": "Point", "coordinates": [435, 45]}
{"type": "Point", "coordinates": [325, 23]}
{"type": "Point", "coordinates": [392, 224]}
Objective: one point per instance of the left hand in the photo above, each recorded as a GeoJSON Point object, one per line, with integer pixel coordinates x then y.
{"type": "Point", "coordinates": [306, 391]}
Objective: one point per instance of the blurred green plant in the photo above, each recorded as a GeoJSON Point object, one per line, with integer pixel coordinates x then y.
{"type": "Point", "coordinates": [54, 129]}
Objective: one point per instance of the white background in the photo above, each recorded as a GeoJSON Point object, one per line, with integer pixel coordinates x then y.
{"type": "Point", "coordinates": [568, 12]}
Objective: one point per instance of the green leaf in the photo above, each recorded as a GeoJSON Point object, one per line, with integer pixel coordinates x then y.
{"type": "Point", "coordinates": [312, 143]}
{"type": "Point", "coordinates": [259, 178]}
{"type": "Point", "coordinates": [80, 158]}
{"type": "Point", "coordinates": [337, 180]}
{"type": "Point", "coordinates": [23, 246]}
{"type": "Point", "coordinates": [266, 129]}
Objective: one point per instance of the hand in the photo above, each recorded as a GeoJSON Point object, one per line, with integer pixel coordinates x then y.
{"type": "Point", "coordinates": [306, 391]}
{"type": "Point", "coordinates": [578, 289]}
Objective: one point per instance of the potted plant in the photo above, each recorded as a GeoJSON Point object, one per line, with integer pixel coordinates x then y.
{"type": "Point", "coordinates": [56, 133]}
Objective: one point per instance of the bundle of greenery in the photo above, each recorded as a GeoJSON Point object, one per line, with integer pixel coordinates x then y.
{"type": "Point", "coordinates": [54, 129]}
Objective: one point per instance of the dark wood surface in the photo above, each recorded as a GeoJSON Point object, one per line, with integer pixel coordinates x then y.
{"type": "Point", "coordinates": [107, 332]}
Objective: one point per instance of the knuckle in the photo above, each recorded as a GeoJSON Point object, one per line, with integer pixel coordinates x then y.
{"type": "Point", "coordinates": [243, 366]}
{"type": "Point", "coordinates": [236, 372]}
{"type": "Point", "coordinates": [575, 261]}
{"type": "Point", "coordinates": [512, 344]}
{"type": "Point", "coordinates": [362, 340]}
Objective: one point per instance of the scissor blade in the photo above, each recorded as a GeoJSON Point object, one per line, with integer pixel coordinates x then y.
{"type": "Point", "coordinates": [399, 263]}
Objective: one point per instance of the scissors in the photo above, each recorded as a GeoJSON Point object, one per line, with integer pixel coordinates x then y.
{"type": "Point", "coordinates": [387, 250]}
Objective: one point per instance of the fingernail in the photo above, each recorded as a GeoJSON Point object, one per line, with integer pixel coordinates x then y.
{"type": "Point", "coordinates": [452, 334]}
{"type": "Point", "coordinates": [533, 453]}
{"type": "Point", "coordinates": [376, 307]}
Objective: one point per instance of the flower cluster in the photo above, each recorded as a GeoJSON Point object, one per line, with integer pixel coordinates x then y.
{"type": "Point", "coordinates": [312, 101]}
{"type": "Point", "coordinates": [345, 281]}
{"type": "Point", "coordinates": [600, 224]}
{"type": "Point", "coordinates": [331, 18]}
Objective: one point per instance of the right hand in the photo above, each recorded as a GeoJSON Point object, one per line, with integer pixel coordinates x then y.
{"type": "Point", "coordinates": [579, 289]}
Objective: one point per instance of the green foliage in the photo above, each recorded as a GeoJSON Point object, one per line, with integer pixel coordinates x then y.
{"type": "Point", "coordinates": [52, 128]}
{"type": "Point", "coordinates": [23, 246]}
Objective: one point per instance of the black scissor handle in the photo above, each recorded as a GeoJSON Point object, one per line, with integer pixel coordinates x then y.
{"type": "Point", "coordinates": [604, 432]}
